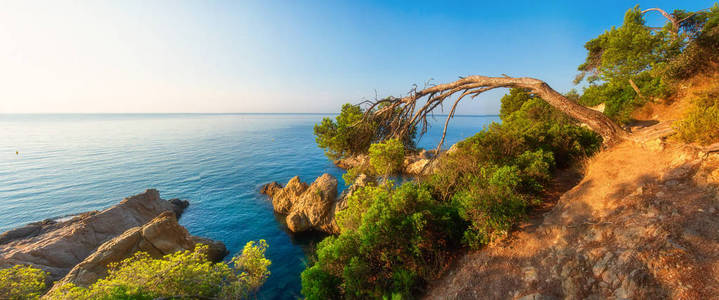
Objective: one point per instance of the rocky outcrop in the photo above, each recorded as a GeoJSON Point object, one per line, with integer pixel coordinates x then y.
{"type": "Point", "coordinates": [353, 161]}
{"type": "Point", "coordinates": [57, 246]}
{"type": "Point", "coordinates": [284, 199]}
{"type": "Point", "coordinates": [311, 207]}
{"type": "Point", "coordinates": [159, 237]}
{"type": "Point", "coordinates": [307, 207]}
{"type": "Point", "coordinates": [416, 163]}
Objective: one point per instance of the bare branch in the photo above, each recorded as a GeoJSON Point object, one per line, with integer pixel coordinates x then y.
{"type": "Point", "coordinates": [400, 116]}
{"type": "Point", "coordinates": [675, 23]}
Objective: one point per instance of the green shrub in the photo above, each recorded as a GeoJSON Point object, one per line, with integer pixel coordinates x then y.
{"type": "Point", "coordinates": [494, 176]}
{"type": "Point", "coordinates": [184, 274]}
{"type": "Point", "coordinates": [346, 136]}
{"type": "Point", "coordinates": [491, 203]}
{"type": "Point", "coordinates": [392, 241]}
{"type": "Point", "coordinates": [22, 282]}
{"type": "Point", "coordinates": [701, 123]}
{"type": "Point", "coordinates": [387, 157]}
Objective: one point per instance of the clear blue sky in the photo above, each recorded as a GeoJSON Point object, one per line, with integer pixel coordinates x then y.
{"type": "Point", "coordinates": [283, 56]}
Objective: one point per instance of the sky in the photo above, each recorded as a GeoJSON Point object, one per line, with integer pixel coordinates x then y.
{"type": "Point", "coordinates": [307, 56]}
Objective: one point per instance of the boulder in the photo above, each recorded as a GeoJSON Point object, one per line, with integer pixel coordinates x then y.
{"type": "Point", "coordinates": [159, 237]}
{"type": "Point", "coordinates": [270, 189]}
{"type": "Point", "coordinates": [351, 162]}
{"type": "Point", "coordinates": [178, 206]}
{"type": "Point", "coordinates": [418, 167]}
{"type": "Point", "coordinates": [297, 221]}
{"type": "Point", "coordinates": [57, 246]}
{"type": "Point", "coordinates": [216, 250]}
{"type": "Point", "coordinates": [319, 198]}
{"type": "Point", "coordinates": [306, 207]}
{"type": "Point", "coordinates": [284, 199]}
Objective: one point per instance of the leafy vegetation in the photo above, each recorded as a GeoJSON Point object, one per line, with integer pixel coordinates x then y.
{"type": "Point", "coordinates": [394, 239]}
{"type": "Point", "coordinates": [630, 65]}
{"type": "Point", "coordinates": [701, 54]}
{"type": "Point", "coordinates": [22, 282]}
{"type": "Point", "coordinates": [386, 157]}
{"type": "Point", "coordinates": [345, 136]}
{"type": "Point", "coordinates": [624, 56]}
{"type": "Point", "coordinates": [496, 175]}
{"type": "Point", "coordinates": [184, 274]}
{"type": "Point", "coordinates": [701, 123]}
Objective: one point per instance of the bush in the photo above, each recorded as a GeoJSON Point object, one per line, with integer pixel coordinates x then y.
{"type": "Point", "coordinates": [185, 274]}
{"type": "Point", "coordinates": [496, 175]}
{"type": "Point", "coordinates": [346, 136]}
{"type": "Point", "coordinates": [387, 157]}
{"type": "Point", "coordinates": [701, 123]}
{"type": "Point", "coordinates": [22, 282]}
{"type": "Point", "coordinates": [392, 241]}
{"type": "Point", "coordinates": [491, 204]}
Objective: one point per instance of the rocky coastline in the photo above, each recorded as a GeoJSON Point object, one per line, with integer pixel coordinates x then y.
{"type": "Point", "coordinates": [79, 249]}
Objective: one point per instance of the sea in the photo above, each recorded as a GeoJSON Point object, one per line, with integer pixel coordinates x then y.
{"type": "Point", "coordinates": [55, 165]}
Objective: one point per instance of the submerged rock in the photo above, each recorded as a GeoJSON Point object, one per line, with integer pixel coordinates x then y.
{"type": "Point", "coordinates": [57, 246]}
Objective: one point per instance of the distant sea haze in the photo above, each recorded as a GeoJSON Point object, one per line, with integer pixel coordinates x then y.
{"type": "Point", "coordinates": [53, 165]}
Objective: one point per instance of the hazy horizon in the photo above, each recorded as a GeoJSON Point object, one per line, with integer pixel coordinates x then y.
{"type": "Point", "coordinates": [286, 57]}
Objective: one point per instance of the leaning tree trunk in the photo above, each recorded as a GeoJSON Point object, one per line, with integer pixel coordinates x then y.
{"type": "Point", "coordinates": [400, 117]}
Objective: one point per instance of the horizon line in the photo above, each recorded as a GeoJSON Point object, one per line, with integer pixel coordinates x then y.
{"type": "Point", "coordinates": [213, 113]}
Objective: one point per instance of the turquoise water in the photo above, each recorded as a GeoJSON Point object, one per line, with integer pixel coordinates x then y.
{"type": "Point", "coordinates": [73, 163]}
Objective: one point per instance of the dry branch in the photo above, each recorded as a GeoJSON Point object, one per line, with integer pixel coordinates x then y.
{"type": "Point", "coordinates": [401, 116]}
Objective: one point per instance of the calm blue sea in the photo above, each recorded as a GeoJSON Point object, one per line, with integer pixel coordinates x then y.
{"type": "Point", "coordinates": [68, 164]}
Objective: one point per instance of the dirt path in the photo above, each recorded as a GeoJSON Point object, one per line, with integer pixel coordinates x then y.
{"type": "Point", "coordinates": [642, 223]}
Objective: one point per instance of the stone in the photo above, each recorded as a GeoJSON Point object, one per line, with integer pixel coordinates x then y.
{"type": "Point", "coordinates": [419, 167]}
{"type": "Point", "coordinates": [537, 296]}
{"type": "Point", "coordinates": [620, 293]}
{"type": "Point", "coordinates": [284, 199]}
{"type": "Point", "coordinates": [530, 274]}
{"type": "Point", "coordinates": [57, 246]}
{"type": "Point", "coordinates": [601, 265]}
{"type": "Point", "coordinates": [179, 206]}
{"type": "Point", "coordinates": [307, 207]}
{"type": "Point", "coordinates": [270, 189]}
{"type": "Point", "coordinates": [159, 237]}
{"type": "Point", "coordinates": [654, 145]}
{"type": "Point", "coordinates": [297, 222]}
{"type": "Point", "coordinates": [216, 250]}
{"type": "Point", "coordinates": [351, 162]}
